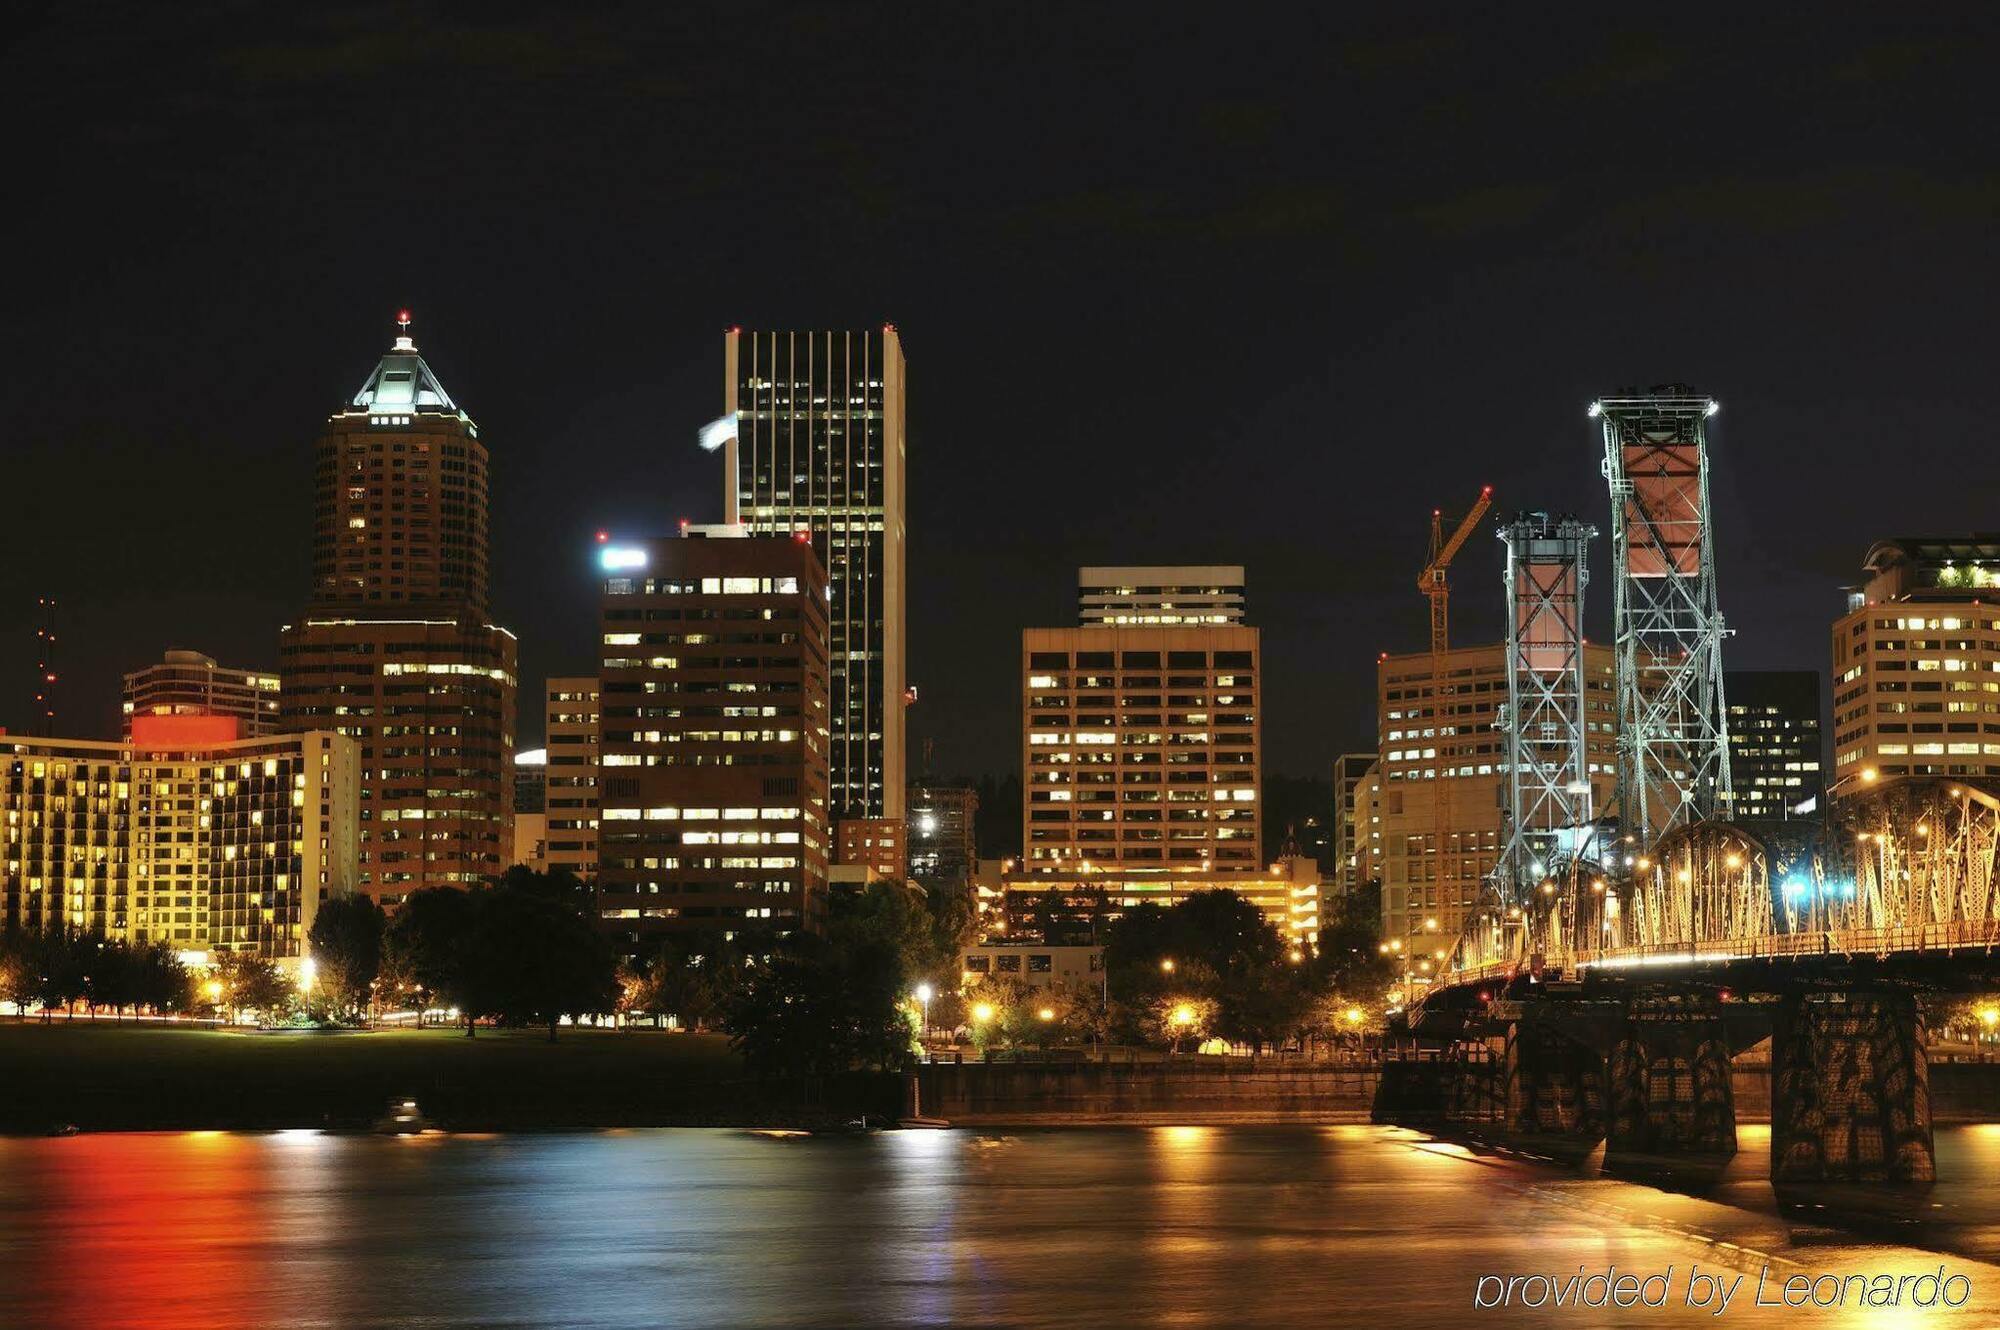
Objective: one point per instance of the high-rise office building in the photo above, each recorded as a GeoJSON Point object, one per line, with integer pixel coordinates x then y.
{"type": "Point", "coordinates": [1350, 771]}
{"type": "Point", "coordinates": [1178, 595]}
{"type": "Point", "coordinates": [1141, 749]}
{"type": "Point", "coordinates": [569, 720]}
{"type": "Point", "coordinates": [187, 683]}
{"type": "Point", "coordinates": [1914, 663]}
{"type": "Point", "coordinates": [712, 803]}
{"type": "Point", "coordinates": [183, 834]}
{"type": "Point", "coordinates": [1774, 742]}
{"type": "Point", "coordinates": [820, 449]}
{"type": "Point", "coordinates": [874, 844]}
{"type": "Point", "coordinates": [531, 818]}
{"type": "Point", "coordinates": [1440, 738]}
{"type": "Point", "coordinates": [395, 647]}
{"type": "Point", "coordinates": [943, 846]}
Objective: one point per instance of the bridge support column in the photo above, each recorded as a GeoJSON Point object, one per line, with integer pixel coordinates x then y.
{"type": "Point", "coordinates": [1554, 1085]}
{"type": "Point", "coordinates": [1670, 1090]}
{"type": "Point", "coordinates": [1850, 1091]}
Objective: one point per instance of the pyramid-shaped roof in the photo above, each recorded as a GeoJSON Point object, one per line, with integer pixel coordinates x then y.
{"type": "Point", "coordinates": [401, 381]}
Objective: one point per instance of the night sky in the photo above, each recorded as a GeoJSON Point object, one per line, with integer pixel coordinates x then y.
{"type": "Point", "coordinates": [1233, 284]}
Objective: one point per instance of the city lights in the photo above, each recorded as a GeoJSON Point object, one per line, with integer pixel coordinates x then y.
{"type": "Point", "coordinates": [621, 558]}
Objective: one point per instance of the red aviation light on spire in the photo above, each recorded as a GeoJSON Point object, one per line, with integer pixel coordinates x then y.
{"type": "Point", "coordinates": [403, 319]}
{"type": "Point", "coordinates": [603, 537]}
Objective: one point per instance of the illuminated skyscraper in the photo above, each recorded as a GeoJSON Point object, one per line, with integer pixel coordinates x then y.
{"type": "Point", "coordinates": [820, 442]}
{"type": "Point", "coordinates": [395, 648]}
{"type": "Point", "coordinates": [711, 736]}
{"type": "Point", "coordinates": [1774, 743]}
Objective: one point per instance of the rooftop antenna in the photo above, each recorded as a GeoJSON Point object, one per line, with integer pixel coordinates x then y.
{"type": "Point", "coordinates": [45, 666]}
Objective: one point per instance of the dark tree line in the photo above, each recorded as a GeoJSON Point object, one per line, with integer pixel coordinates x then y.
{"type": "Point", "coordinates": [523, 951]}
{"type": "Point", "coordinates": [62, 969]}
{"type": "Point", "coordinates": [1213, 965]}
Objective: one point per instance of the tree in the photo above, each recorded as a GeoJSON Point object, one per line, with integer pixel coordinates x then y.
{"type": "Point", "coordinates": [531, 958]}
{"type": "Point", "coordinates": [252, 983]}
{"type": "Point", "coordinates": [423, 949]}
{"type": "Point", "coordinates": [1175, 1020]}
{"type": "Point", "coordinates": [161, 981]}
{"type": "Point", "coordinates": [1349, 960]}
{"type": "Point", "coordinates": [345, 944]}
{"type": "Point", "coordinates": [553, 884]}
{"type": "Point", "coordinates": [822, 1005]}
{"type": "Point", "coordinates": [686, 978]}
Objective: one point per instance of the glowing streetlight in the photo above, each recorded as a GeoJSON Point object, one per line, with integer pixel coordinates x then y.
{"type": "Point", "coordinates": [1430, 925]}
{"type": "Point", "coordinates": [1184, 1015]}
{"type": "Point", "coordinates": [1869, 775]}
{"type": "Point", "coordinates": [215, 990]}
{"type": "Point", "coordinates": [1989, 1016]}
{"type": "Point", "coordinates": [1352, 1015]}
{"type": "Point", "coordinates": [308, 973]}
{"type": "Point", "coordinates": [1166, 965]}
{"type": "Point", "coordinates": [1296, 956]}
{"type": "Point", "coordinates": [1046, 1014]}
{"type": "Point", "coordinates": [924, 994]}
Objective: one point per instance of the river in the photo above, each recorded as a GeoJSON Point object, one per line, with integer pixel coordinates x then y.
{"type": "Point", "coordinates": [1180, 1226]}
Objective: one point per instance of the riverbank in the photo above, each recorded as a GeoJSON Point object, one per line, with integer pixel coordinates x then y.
{"type": "Point", "coordinates": [153, 1078]}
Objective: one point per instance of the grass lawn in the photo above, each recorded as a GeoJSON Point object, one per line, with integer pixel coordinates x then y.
{"type": "Point", "coordinates": [101, 1076]}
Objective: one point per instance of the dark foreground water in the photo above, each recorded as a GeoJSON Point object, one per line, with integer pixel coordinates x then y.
{"type": "Point", "coordinates": [1181, 1226]}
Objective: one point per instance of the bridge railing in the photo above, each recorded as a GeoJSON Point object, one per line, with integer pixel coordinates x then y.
{"type": "Point", "coordinates": [1949, 937]}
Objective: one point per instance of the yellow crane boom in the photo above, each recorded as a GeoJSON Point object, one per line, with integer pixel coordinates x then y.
{"type": "Point", "coordinates": [1432, 581]}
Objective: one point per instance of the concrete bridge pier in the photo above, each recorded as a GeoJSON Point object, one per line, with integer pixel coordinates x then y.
{"type": "Point", "coordinates": [1671, 1101]}
{"type": "Point", "coordinates": [1850, 1091]}
{"type": "Point", "coordinates": [1554, 1084]}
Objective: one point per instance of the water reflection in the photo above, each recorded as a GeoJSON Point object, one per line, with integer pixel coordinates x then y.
{"type": "Point", "coordinates": [1187, 1226]}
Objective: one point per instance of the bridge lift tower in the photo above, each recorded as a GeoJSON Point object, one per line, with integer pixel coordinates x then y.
{"type": "Point", "coordinates": [1549, 813]}
{"type": "Point", "coordinates": [1673, 740]}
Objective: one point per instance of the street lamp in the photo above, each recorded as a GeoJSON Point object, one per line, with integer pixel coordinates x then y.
{"type": "Point", "coordinates": [1166, 965]}
{"type": "Point", "coordinates": [1182, 1018]}
{"type": "Point", "coordinates": [982, 1012]}
{"type": "Point", "coordinates": [924, 995]}
{"type": "Point", "coordinates": [1046, 1014]}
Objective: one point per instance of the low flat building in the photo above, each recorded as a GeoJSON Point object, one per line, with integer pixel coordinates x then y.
{"type": "Point", "coordinates": [185, 834]}
{"type": "Point", "coordinates": [1057, 907]}
{"type": "Point", "coordinates": [1034, 966]}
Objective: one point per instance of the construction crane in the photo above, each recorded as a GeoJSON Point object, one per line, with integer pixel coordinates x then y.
{"type": "Point", "coordinates": [1432, 582]}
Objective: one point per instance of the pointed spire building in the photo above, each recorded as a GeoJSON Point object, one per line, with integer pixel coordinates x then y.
{"type": "Point", "coordinates": [396, 647]}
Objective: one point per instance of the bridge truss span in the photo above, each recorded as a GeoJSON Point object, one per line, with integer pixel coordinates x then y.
{"type": "Point", "coordinates": [1909, 869]}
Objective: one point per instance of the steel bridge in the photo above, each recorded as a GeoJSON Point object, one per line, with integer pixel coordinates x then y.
{"type": "Point", "coordinates": [1605, 1001]}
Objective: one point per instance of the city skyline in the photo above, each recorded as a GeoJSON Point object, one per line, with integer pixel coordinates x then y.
{"type": "Point", "coordinates": [1340, 288]}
